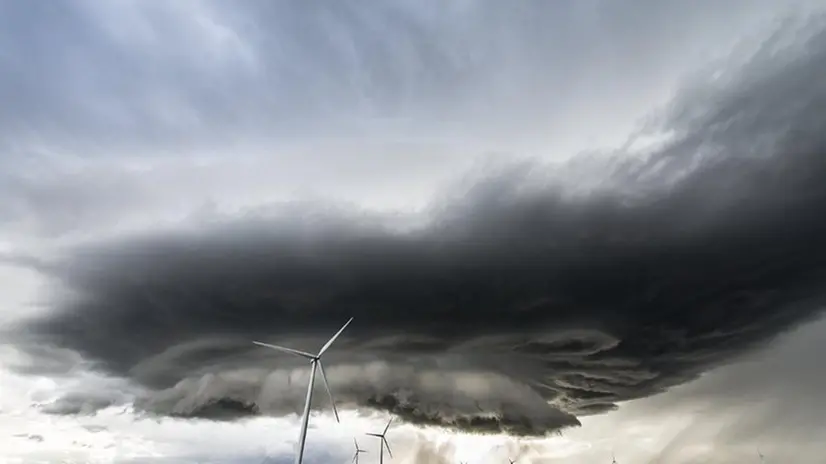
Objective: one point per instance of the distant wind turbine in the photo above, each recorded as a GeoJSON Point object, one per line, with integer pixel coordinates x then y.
{"type": "Point", "coordinates": [358, 451]}
{"type": "Point", "coordinates": [762, 458]}
{"type": "Point", "coordinates": [315, 362]}
{"type": "Point", "coordinates": [613, 459]}
{"type": "Point", "coordinates": [512, 461]}
{"type": "Point", "coordinates": [383, 444]}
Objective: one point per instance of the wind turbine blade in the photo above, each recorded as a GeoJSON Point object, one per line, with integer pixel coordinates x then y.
{"type": "Point", "coordinates": [355, 456]}
{"type": "Point", "coordinates": [388, 426]}
{"type": "Point", "coordinates": [356, 443]}
{"type": "Point", "coordinates": [384, 440]}
{"type": "Point", "coordinates": [374, 435]}
{"type": "Point", "coordinates": [329, 392]}
{"type": "Point", "coordinates": [286, 350]}
{"type": "Point", "coordinates": [330, 342]}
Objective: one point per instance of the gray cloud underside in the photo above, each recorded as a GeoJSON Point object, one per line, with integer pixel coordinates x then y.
{"type": "Point", "coordinates": [517, 307]}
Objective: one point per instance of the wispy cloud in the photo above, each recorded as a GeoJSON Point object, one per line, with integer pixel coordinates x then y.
{"type": "Point", "coordinates": [193, 76]}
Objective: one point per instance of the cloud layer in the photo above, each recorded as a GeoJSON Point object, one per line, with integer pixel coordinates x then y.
{"type": "Point", "coordinates": [514, 305]}
{"type": "Point", "coordinates": [161, 80]}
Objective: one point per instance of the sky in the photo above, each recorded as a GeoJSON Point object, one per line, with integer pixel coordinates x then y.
{"type": "Point", "coordinates": [565, 230]}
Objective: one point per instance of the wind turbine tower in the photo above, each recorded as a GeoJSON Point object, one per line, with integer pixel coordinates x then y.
{"type": "Point", "coordinates": [315, 363]}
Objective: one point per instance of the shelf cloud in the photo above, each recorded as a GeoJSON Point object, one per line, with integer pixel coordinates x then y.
{"type": "Point", "coordinates": [514, 305]}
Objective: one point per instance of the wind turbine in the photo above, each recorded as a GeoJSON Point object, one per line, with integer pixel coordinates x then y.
{"type": "Point", "coordinates": [613, 458]}
{"type": "Point", "coordinates": [358, 451]}
{"type": "Point", "coordinates": [512, 461]}
{"type": "Point", "coordinates": [762, 458]}
{"type": "Point", "coordinates": [383, 443]}
{"type": "Point", "coordinates": [315, 362]}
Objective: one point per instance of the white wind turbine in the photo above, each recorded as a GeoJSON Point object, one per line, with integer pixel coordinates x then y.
{"type": "Point", "coordinates": [315, 362]}
{"type": "Point", "coordinates": [358, 451]}
{"type": "Point", "coordinates": [383, 444]}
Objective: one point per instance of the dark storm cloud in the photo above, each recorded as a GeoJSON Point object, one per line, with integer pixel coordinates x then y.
{"type": "Point", "coordinates": [518, 306]}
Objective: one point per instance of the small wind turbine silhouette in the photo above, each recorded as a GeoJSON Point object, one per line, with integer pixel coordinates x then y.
{"type": "Point", "coordinates": [512, 461]}
{"type": "Point", "coordinates": [315, 362]}
{"type": "Point", "coordinates": [383, 443]}
{"type": "Point", "coordinates": [762, 458]}
{"type": "Point", "coordinates": [613, 458]}
{"type": "Point", "coordinates": [358, 451]}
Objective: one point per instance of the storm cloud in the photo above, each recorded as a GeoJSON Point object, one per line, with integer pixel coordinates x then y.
{"type": "Point", "coordinates": [515, 303]}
